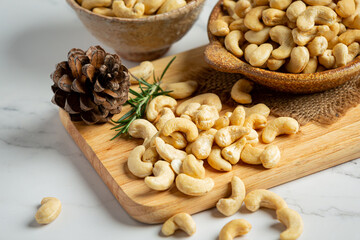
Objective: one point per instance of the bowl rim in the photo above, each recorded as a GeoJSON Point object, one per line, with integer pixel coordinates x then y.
{"type": "Point", "coordinates": [193, 4]}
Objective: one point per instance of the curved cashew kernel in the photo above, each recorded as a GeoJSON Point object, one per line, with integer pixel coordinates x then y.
{"type": "Point", "coordinates": [293, 221]}
{"type": "Point", "coordinates": [227, 135]}
{"type": "Point", "coordinates": [333, 42]}
{"type": "Point", "coordinates": [181, 125]}
{"type": "Point", "coordinates": [251, 155]}
{"type": "Point", "coordinates": [233, 41]}
{"type": "Point", "coordinates": [49, 210]}
{"type": "Point", "coordinates": [350, 36]}
{"type": "Point", "coordinates": [270, 156]}
{"type": "Point", "coordinates": [151, 6]}
{"type": "Point", "coordinates": [176, 139]}
{"type": "Point", "coordinates": [340, 52]}
{"type": "Point", "coordinates": [302, 38]}
{"type": "Point", "coordinates": [312, 65]}
{"type": "Point", "coordinates": [168, 152]}
{"type": "Point", "coordinates": [170, 5]}
{"type": "Point", "coordinates": [229, 5]}
{"type": "Point", "coordinates": [203, 99]}
{"type": "Point", "coordinates": [278, 126]}
{"type": "Point", "coordinates": [234, 228]}
{"type": "Point", "coordinates": [181, 221]}
{"type": "Point", "coordinates": [263, 198]}
{"type": "Point", "coordinates": [272, 17]}
{"type": "Point", "coordinates": [255, 121]}
{"type": "Point", "coordinates": [238, 25]}
{"type": "Point", "coordinates": [318, 2]}
{"type": "Point", "coordinates": [229, 206]}
{"type": "Point", "coordinates": [327, 59]}
{"type": "Point", "coordinates": [166, 114]}
{"type": "Point", "coordinates": [193, 167]}
{"type": "Point", "coordinates": [163, 176]}
{"type": "Point", "coordinates": [315, 15]}
{"type": "Point", "coordinates": [259, 108]}
{"type": "Point", "coordinates": [317, 46]}
{"type": "Point", "coordinates": [283, 36]}
{"type": "Point", "coordinates": [193, 186]}
{"type": "Point", "coordinates": [252, 18]}
{"type": "Point", "coordinates": [180, 90]}
{"type": "Point", "coordinates": [220, 27]}
{"type": "Point", "coordinates": [299, 58]}
{"type": "Point", "coordinates": [252, 138]}
{"type": "Point", "coordinates": [90, 4]}
{"type": "Point", "coordinates": [240, 91]}
{"type": "Point", "coordinates": [295, 10]}
{"type": "Point", "coordinates": [345, 8]}
{"type": "Point", "coordinates": [274, 64]}
{"type": "Point", "coordinates": [143, 71]}
{"type": "Point", "coordinates": [150, 155]}
{"type": "Point", "coordinates": [120, 10]}
{"type": "Point", "coordinates": [176, 166]}
{"type": "Point", "coordinates": [258, 37]}
{"type": "Point", "coordinates": [280, 4]}
{"type": "Point", "coordinates": [136, 166]}
{"type": "Point", "coordinates": [238, 116]}
{"type": "Point", "coordinates": [334, 30]}
{"type": "Point", "coordinates": [201, 147]}
{"type": "Point", "coordinates": [354, 50]}
{"type": "Point", "coordinates": [190, 110]}
{"type": "Point", "coordinates": [353, 21]}
{"type": "Point", "coordinates": [221, 122]}
{"type": "Point", "coordinates": [260, 55]}
{"type": "Point", "coordinates": [104, 11]}
{"type": "Point", "coordinates": [249, 49]}
{"type": "Point", "coordinates": [205, 117]}
{"type": "Point", "coordinates": [216, 161]}
{"type": "Point", "coordinates": [141, 128]}
{"type": "Point", "coordinates": [232, 153]}
{"type": "Point", "coordinates": [157, 104]}
{"type": "Point", "coordinates": [242, 7]}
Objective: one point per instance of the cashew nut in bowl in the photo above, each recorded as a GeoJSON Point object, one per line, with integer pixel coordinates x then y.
{"type": "Point", "coordinates": [150, 155]}
{"type": "Point", "coordinates": [227, 135]}
{"type": "Point", "coordinates": [232, 153]}
{"type": "Point", "coordinates": [312, 65]}
{"type": "Point", "coordinates": [278, 126]}
{"type": "Point", "coordinates": [221, 122]}
{"type": "Point", "coordinates": [165, 115]}
{"type": "Point", "coordinates": [280, 4]}
{"type": "Point", "coordinates": [299, 58]}
{"type": "Point", "coordinates": [220, 27]}
{"type": "Point", "coordinates": [203, 99]}
{"type": "Point", "coordinates": [238, 25]}
{"type": "Point", "coordinates": [193, 167]}
{"type": "Point", "coordinates": [180, 125]}
{"type": "Point", "coordinates": [327, 59]}
{"type": "Point", "coordinates": [90, 4]}
{"type": "Point", "coordinates": [168, 152]}
{"type": "Point", "coordinates": [242, 7]}
{"type": "Point", "coordinates": [104, 11]}
{"type": "Point", "coordinates": [270, 157]}
{"type": "Point", "coordinates": [353, 51]}
{"type": "Point", "coordinates": [49, 210]}
{"type": "Point", "coordinates": [345, 8]}
{"type": "Point", "coordinates": [283, 36]}
{"type": "Point", "coordinates": [120, 10]}
{"type": "Point", "coordinates": [340, 52]}
{"type": "Point", "coordinates": [201, 148]}
{"type": "Point", "coordinates": [180, 90]}
{"type": "Point", "coordinates": [302, 38]}
{"type": "Point", "coordinates": [229, 5]}
{"type": "Point", "coordinates": [238, 116]}
{"type": "Point", "coordinates": [193, 186]}
{"type": "Point", "coordinates": [181, 221]}
{"type": "Point", "coordinates": [353, 21]}
{"type": "Point", "coordinates": [240, 91]}
{"type": "Point", "coordinates": [295, 10]}
{"type": "Point", "coordinates": [151, 6]}
{"type": "Point", "coordinates": [293, 221]}
{"type": "Point", "coordinates": [315, 15]}
{"type": "Point", "coordinates": [251, 155]}
{"type": "Point", "coordinates": [260, 55]}
{"type": "Point", "coordinates": [252, 18]}
{"type": "Point", "coordinates": [205, 117]}
{"type": "Point", "coordinates": [157, 104]}
{"type": "Point", "coordinates": [170, 5]}
{"type": "Point", "coordinates": [229, 206]}
{"type": "Point", "coordinates": [141, 128]}
{"type": "Point", "coordinates": [259, 108]}
{"type": "Point", "coordinates": [163, 176]}
{"type": "Point", "coordinates": [263, 198]}
{"type": "Point", "coordinates": [234, 228]}
{"type": "Point", "coordinates": [255, 121]}
{"type": "Point", "coordinates": [272, 17]}
{"type": "Point", "coordinates": [143, 71]}
{"type": "Point", "coordinates": [350, 36]}
{"type": "Point", "coordinates": [317, 46]}
{"type": "Point", "coordinates": [258, 37]}
{"type": "Point", "coordinates": [216, 161]}
{"type": "Point", "coordinates": [232, 42]}
{"type": "Point", "coordinates": [136, 165]}
{"type": "Point", "coordinates": [274, 64]}
{"type": "Point", "coordinates": [318, 2]}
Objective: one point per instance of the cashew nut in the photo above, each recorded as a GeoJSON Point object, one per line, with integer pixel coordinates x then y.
{"type": "Point", "coordinates": [252, 18]}
{"type": "Point", "coordinates": [229, 206]}
{"type": "Point", "coordinates": [354, 50]}
{"type": "Point", "coordinates": [340, 52]}
{"type": "Point", "coordinates": [176, 165]}
{"type": "Point", "coordinates": [242, 7]}
{"type": "Point", "coordinates": [295, 10]}
{"type": "Point", "coordinates": [193, 186]}
{"type": "Point", "coordinates": [255, 121]}
{"type": "Point", "coordinates": [141, 128]}
{"type": "Point", "coordinates": [272, 17]}
{"type": "Point", "coordinates": [157, 104]}
{"type": "Point", "coordinates": [312, 65]}
{"type": "Point", "coordinates": [176, 139]}
{"type": "Point", "coordinates": [180, 90]}
{"type": "Point", "coordinates": [263, 198]}
{"type": "Point", "coordinates": [270, 157]}
{"type": "Point", "coordinates": [167, 151]}
{"type": "Point", "coordinates": [259, 108]}
{"type": "Point", "coordinates": [251, 155]}
{"type": "Point", "coordinates": [193, 167]}
{"type": "Point", "coordinates": [227, 135]}
{"type": "Point", "coordinates": [238, 25]}
{"type": "Point", "coordinates": [299, 58]}
{"type": "Point", "coordinates": [203, 99]}
{"type": "Point", "coordinates": [234, 228]}
{"type": "Point", "coordinates": [232, 153]}
{"type": "Point", "coordinates": [317, 2]}
{"type": "Point", "coordinates": [327, 59]}
{"type": "Point", "coordinates": [280, 4]}
{"type": "Point", "coordinates": [240, 91]}
{"type": "Point", "coordinates": [345, 8]}
{"type": "Point", "coordinates": [315, 15]}
{"type": "Point", "coordinates": [205, 117]}
{"type": "Point", "coordinates": [293, 221]}
{"type": "Point", "coordinates": [278, 126]}
{"type": "Point", "coordinates": [143, 71]}
{"type": "Point", "coordinates": [49, 210]}
{"type": "Point", "coordinates": [181, 221]}
{"type": "Point", "coordinates": [170, 5]}
{"type": "Point", "coordinates": [150, 155]}
{"type": "Point", "coordinates": [181, 125]}
{"type": "Point", "coordinates": [136, 165]}
{"type": "Point", "coordinates": [151, 6]}
{"type": "Point", "coordinates": [202, 146]}
{"type": "Point", "coordinates": [333, 42]}
{"type": "Point", "coordinates": [216, 161]}
{"type": "Point", "coordinates": [232, 42]}
{"type": "Point", "coordinates": [163, 176]}
{"type": "Point", "coordinates": [229, 5]}
{"type": "Point", "coordinates": [220, 27]}
{"type": "Point", "coordinates": [274, 64]}
{"type": "Point", "coordinates": [302, 38]}
{"type": "Point", "coordinates": [257, 37]}
{"type": "Point", "coordinates": [317, 46]}
{"type": "Point", "coordinates": [353, 21]}
{"type": "Point", "coordinates": [104, 11]}
{"type": "Point", "coordinates": [238, 115]}
{"type": "Point", "coordinates": [350, 36]}
{"type": "Point", "coordinates": [249, 49]}
{"type": "Point", "coordinates": [221, 122]}
{"type": "Point", "coordinates": [334, 30]}
{"type": "Point", "coordinates": [90, 4]}
{"type": "Point", "coordinates": [283, 36]}
{"type": "Point", "coordinates": [120, 10]}
{"type": "Point", "coordinates": [190, 111]}
{"type": "Point", "coordinates": [166, 114]}
{"type": "Point", "coordinates": [260, 55]}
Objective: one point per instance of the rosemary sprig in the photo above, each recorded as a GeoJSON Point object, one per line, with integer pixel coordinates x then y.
{"type": "Point", "coordinates": [140, 102]}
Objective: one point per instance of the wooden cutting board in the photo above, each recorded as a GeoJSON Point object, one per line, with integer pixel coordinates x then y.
{"type": "Point", "coordinates": [313, 149]}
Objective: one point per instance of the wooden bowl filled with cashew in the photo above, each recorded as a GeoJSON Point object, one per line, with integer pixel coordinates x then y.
{"type": "Point", "coordinates": [131, 31]}
{"type": "Point", "coordinates": [303, 46]}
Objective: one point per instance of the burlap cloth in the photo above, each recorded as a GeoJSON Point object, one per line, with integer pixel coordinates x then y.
{"type": "Point", "coordinates": [325, 107]}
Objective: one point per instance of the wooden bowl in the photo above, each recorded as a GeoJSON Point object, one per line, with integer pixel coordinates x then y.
{"type": "Point", "coordinates": [220, 59]}
{"type": "Point", "coordinates": [140, 39]}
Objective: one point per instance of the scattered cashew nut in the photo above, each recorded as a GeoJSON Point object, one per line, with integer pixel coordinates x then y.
{"type": "Point", "coordinates": [193, 186]}
{"type": "Point", "coordinates": [181, 221]}
{"type": "Point", "coordinates": [141, 128]}
{"type": "Point", "coordinates": [203, 99]}
{"type": "Point", "coordinates": [157, 104]}
{"type": "Point", "coordinates": [136, 165]}
{"type": "Point", "coordinates": [278, 126]}
{"type": "Point", "coordinates": [201, 148]}
{"type": "Point", "coordinates": [238, 115]}
{"type": "Point", "coordinates": [227, 135]}
{"type": "Point", "coordinates": [263, 198]}
{"type": "Point", "coordinates": [216, 161]}
{"type": "Point", "coordinates": [234, 228]}
{"type": "Point", "coordinates": [49, 210]}
{"type": "Point", "coordinates": [240, 91]}
{"type": "Point", "coordinates": [143, 71]}
{"type": "Point", "coordinates": [293, 221]}
{"type": "Point", "coordinates": [232, 153]}
{"type": "Point", "coordinates": [167, 151]}
{"type": "Point", "coordinates": [205, 117]}
{"type": "Point", "coordinates": [193, 167]}
{"type": "Point", "coordinates": [232, 42]}
{"type": "Point", "coordinates": [180, 125]}
{"type": "Point", "coordinates": [163, 176]}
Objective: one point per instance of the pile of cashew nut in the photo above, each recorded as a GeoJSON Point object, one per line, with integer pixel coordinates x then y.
{"type": "Point", "coordinates": [303, 36]}
{"type": "Point", "coordinates": [131, 8]}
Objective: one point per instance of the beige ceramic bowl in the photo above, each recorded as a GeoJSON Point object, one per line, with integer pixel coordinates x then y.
{"type": "Point", "coordinates": [220, 59]}
{"type": "Point", "coordinates": [142, 38]}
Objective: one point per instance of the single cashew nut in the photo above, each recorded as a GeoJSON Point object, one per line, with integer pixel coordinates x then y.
{"type": "Point", "coordinates": [193, 186]}
{"type": "Point", "coordinates": [122, 11]}
{"type": "Point", "coordinates": [240, 91]}
{"type": "Point", "coordinates": [141, 128]}
{"type": "Point", "coordinates": [317, 46]}
{"type": "Point", "coordinates": [220, 27]}
{"type": "Point", "coordinates": [226, 136]}
{"type": "Point", "coordinates": [252, 18]}
{"type": "Point", "coordinates": [260, 55]}
{"type": "Point", "coordinates": [259, 108]}
{"type": "Point", "coordinates": [353, 21]}
{"type": "Point", "coordinates": [334, 31]}
{"type": "Point", "coordinates": [238, 116]}
{"type": "Point", "coordinates": [258, 37]}
{"type": "Point", "coordinates": [163, 176]}
{"type": "Point", "coordinates": [270, 157]}
{"type": "Point", "coordinates": [229, 5]}
{"type": "Point", "coordinates": [340, 52]}
{"type": "Point", "coordinates": [217, 162]}
{"type": "Point", "coordinates": [251, 155]}
{"type": "Point", "coordinates": [315, 15]}
{"type": "Point", "coordinates": [205, 117]}
{"type": "Point", "coordinates": [157, 104]}
{"type": "Point", "coordinates": [312, 66]}
{"type": "Point", "coordinates": [274, 64]}
{"type": "Point", "coordinates": [143, 71]}
{"type": "Point", "coordinates": [278, 126]}
{"type": "Point", "coordinates": [238, 24]}
{"type": "Point", "coordinates": [234, 228]}
{"type": "Point", "coordinates": [232, 153]}
{"type": "Point", "coordinates": [151, 6]}
{"type": "Point", "coordinates": [283, 36]}
{"type": "Point", "coordinates": [345, 8]}
{"type": "Point", "coordinates": [255, 121]}
{"type": "Point", "coordinates": [302, 38]}
{"type": "Point", "coordinates": [166, 114]}
{"type": "Point", "coordinates": [350, 36]}
{"type": "Point", "coordinates": [229, 206]}
{"type": "Point", "coordinates": [293, 221]}
{"type": "Point", "coordinates": [176, 166]}
{"type": "Point", "coordinates": [210, 99]}
{"type": "Point", "coordinates": [263, 198]}
{"type": "Point", "coordinates": [221, 122]}
{"type": "Point", "coordinates": [168, 152]}
{"type": "Point", "coordinates": [201, 148]}
{"type": "Point", "coordinates": [49, 210]}
{"type": "Point", "coordinates": [327, 59]}
{"type": "Point", "coordinates": [295, 10]}
{"type": "Point", "coordinates": [272, 17]}
{"type": "Point", "coordinates": [333, 42]}
{"type": "Point", "coordinates": [104, 11]}
{"type": "Point", "coordinates": [170, 5]}
{"type": "Point", "coordinates": [180, 90]}
{"type": "Point", "coordinates": [299, 58]}
{"type": "Point", "coordinates": [181, 221]}
{"type": "Point", "coordinates": [176, 139]}
{"type": "Point", "coordinates": [90, 4]}
{"type": "Point", "coordinates": [249, 49]}
{"type": "Point", "coordinates": [181, 125]}
{"type": "Point", "coordinates": [233, 41]}
{"type": "Point", "coordinates": [136, 165]}
{"type": "Point", "coordinates": [193, 167]}
{"type": "Point", "coordinates": [242, 7]}
{"type": "Point", "coordinates": [353, 51]}
{"type": "Point", "coordinates": [150, 155]}
{"type": "Point", "coordinates": [190, 111]}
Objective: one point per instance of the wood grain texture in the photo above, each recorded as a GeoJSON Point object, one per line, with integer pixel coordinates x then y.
{"type": "Point", "coordinates": [313, 149]}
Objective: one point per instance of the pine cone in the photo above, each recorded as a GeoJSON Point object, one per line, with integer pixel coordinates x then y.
{"type": "Point", "coordinates": [91, 86]}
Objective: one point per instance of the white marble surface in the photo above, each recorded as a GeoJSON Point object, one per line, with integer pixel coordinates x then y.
{"type": "Point", "coordinates": [38, 158]}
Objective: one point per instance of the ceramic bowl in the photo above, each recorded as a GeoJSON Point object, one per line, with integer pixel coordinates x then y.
{"type": "Point", "coordinates": [220, 59]}
{"type": "Point", "coordinates": [141, 38]}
